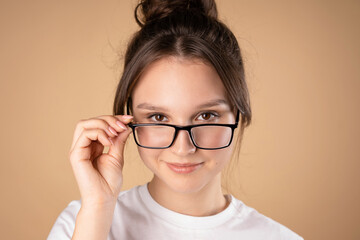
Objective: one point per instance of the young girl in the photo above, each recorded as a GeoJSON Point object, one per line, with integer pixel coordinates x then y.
{"type": "Point", "coordinates": [184, 90]}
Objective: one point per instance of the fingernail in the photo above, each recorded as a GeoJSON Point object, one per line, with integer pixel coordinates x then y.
{"type": "Point", "coordinates": [127, 116]}
{"type": "Point", "coordinates": [112, 143]}
{"type": "Point", "coordinates": [121, 125]}
{"type": "Point", "coordinates": [113, 131]}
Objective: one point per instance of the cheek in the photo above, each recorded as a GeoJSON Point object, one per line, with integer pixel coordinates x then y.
{"type": "Point", "coordinates": [219, 158]}
{"type": "Point", "coordinates": [215, 158]}
{"type": "Point", "coordinates": [149, 156]}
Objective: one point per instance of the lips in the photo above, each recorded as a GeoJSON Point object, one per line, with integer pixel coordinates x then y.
{"type": "Point", "coordinates": [184, 164]}
{"type": "Point", "coordinates": [184, 167]}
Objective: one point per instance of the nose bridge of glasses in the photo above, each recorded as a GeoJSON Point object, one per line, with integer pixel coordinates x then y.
{"type": "Point", "coordinates": [186, 129]}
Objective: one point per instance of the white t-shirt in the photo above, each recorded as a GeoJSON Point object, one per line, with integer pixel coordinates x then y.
{"type": "Point", "coordinates": [138, 216]}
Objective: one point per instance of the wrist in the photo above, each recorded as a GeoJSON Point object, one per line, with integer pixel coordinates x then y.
{"type": "Point", "coordinates": [94, 221]}
{"type": "Point", "coordinates": [100, 204]}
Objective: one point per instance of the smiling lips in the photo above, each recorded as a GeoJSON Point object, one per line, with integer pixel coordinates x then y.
{"type": "Point", "coordinates": [184, 168]}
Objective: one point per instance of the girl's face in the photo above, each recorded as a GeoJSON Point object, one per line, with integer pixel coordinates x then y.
{"type": "Point", "coordinates": [172, 90]}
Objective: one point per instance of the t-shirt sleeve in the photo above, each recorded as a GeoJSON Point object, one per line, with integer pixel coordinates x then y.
{"type": "Point", "coordinates": [288, 234]}
{"type": "Point", "coordinates": [65, 223]}
{"type": "Point", "coordinates": [268, 227]}
{"type": "Point", "coordinates": [284, 233]}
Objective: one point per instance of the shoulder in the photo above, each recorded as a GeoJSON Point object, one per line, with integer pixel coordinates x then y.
{"type": "Point", "coordinates": [130, 195]}
{"type": "Point", "coordinates": [130, 204]}
{"type": "Point", "coordinates": [64, 225]}
{"type": "Point", "coordinates": [258, 223]}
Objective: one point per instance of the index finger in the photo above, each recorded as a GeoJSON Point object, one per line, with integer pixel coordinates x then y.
{"type": "Point", "coordinates": [125, 118]}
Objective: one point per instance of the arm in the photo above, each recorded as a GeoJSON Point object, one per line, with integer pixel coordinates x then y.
{"type": "Point", "coordinates": [98, 174]}
{"type": "Point", "coordinates": [94, 222]}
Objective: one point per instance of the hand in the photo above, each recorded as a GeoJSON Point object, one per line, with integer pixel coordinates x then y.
{"type": "Point", "coordinates": [99, 175]}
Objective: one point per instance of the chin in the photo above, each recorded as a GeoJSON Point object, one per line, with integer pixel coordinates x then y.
{"type": "Point", "coordinates": [185, 183]}
{"type": "Point", "coordinates": [181, 182]}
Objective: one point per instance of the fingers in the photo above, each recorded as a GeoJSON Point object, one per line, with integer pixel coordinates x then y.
{"type": "Point", "coordinates": [117, 149]}
{"type": "Point", "coordinates": [112, 125]}
{"type": "Point", "coordinates": [99, 174]}
{"type": "Point", "coordinates": [108, 130]}
{"type": "Point", "coordinates": [79, 151]}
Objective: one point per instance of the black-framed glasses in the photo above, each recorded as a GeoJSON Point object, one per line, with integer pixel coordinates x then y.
{"type": "Point", "coordinates": [209, 136]}
{"type": "Point", "coordinates": [204, 136]}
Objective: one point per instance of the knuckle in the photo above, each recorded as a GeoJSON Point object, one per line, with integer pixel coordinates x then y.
{"type": "Point", "coordinates": [80, 123]}
{"type": "Point", "coordinates": [102, 122]}
{"type": "Point", "coordinates": [101, 133]}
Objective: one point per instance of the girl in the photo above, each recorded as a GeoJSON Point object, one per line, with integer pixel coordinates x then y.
{"type": "Point", "coordinates": [184, 90]}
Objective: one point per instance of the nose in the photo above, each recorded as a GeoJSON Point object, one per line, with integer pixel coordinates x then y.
{"type": "Point", "coordinates": [183, 145]}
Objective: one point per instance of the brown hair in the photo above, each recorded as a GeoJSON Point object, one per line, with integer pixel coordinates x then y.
{"type": "Point", "coordinates": [187, 29]}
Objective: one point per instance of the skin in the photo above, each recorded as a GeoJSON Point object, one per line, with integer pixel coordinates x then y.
{"type": "Point", "coordinates": [180, 86]}
{"type": "Point", "coordinates": [98, 174]}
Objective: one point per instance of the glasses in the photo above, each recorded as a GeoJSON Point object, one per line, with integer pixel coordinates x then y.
{"type": "Point", "coordinates": [208, 136]}
{"type": "Point", "coordinates": [203, 136]}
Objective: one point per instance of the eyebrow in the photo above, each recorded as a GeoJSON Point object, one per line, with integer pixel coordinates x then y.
{"type": "Point", "coordinates": [211, 103]}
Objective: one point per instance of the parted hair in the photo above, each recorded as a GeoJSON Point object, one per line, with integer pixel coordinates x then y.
{"type": "Point", "coordinates": [186, 29]}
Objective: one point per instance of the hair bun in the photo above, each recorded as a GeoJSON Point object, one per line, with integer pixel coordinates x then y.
{"type": "Point", "coordinates": [156, 9]}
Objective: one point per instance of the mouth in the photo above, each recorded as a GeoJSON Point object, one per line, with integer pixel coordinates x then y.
{"type": "Point", "coordinates": [184, 168]}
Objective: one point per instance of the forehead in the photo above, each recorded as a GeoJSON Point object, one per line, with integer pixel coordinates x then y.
{"type": "Point", "coordinates": [178, 83]}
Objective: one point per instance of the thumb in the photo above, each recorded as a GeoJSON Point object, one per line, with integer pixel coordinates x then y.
{"type": "Point", "coordinates": [117, 150]}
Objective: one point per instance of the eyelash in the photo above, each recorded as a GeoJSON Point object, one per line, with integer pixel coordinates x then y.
{"type": "Point", "coordinates": [216, 115]}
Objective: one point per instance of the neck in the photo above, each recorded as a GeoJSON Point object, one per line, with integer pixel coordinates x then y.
{"type": "Point", "coordinates": [205, 202]}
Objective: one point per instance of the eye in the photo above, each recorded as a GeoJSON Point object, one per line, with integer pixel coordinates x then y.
{"type": "Point", "coordinates": [156, 117]}
{"type": "Point", "coordinates": [207, 115]}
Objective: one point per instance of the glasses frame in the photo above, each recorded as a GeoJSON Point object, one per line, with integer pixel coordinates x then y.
{"type": "Point", "coordinates": [186, 128]}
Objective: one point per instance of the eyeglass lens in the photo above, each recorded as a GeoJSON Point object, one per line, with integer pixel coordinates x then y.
{"type": "Point", "coordinates": [204, 136]}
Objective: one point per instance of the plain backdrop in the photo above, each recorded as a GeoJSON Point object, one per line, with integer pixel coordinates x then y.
{"type": "Point", "coordinates": [60, 62]}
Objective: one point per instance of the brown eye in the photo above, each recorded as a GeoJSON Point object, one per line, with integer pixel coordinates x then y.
{"type": "Point", "coordinates": [208, 116]}
{"type": "Point", "coordinates": [159, 117]}
{"type": "Point", "coordinates": [205, 116]}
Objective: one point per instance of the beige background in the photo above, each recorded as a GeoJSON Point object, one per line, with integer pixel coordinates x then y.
{"type": "Point", "coordinates": [300, 160]}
